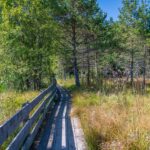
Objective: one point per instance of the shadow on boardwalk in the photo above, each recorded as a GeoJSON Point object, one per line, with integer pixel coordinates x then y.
{"type": "Point", "coordinates": [58, 131]}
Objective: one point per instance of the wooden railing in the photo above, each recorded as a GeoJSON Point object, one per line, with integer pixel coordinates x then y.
{"type": "Point", "coordinates": [28, 120]}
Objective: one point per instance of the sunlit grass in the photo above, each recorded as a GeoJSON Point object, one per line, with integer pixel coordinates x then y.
{"type": "Point", "coordinates": [112, 119]}
{"type": "Point", "coordinates": [11, 102]}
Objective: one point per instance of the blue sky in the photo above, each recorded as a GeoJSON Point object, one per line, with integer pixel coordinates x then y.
{"type": "Point", "coordinates": [110, 7]}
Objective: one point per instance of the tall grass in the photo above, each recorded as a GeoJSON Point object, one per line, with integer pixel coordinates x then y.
{"type": "Point", "coordinates": [12, 101]}
{"type": "Point", "coordinates": [112, 119]}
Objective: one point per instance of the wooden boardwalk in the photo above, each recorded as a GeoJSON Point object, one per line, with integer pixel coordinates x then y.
{"type": "Point", "coordinates": [44, 124]}
{"type": "Point", "coordinates": [61, 131]}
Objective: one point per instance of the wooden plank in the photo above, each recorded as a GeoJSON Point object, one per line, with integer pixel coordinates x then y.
{"type": "Point", "coordinates": [62, 131]}
{"type": "Point", "coordinates": [70, 137]}
{"type": "Point", "coordinates": [78, 134]}
{"type": "Point", "coordinates": [30, 139]}
{"type": "Point", "coordinates": [49, 103]}
{"type": "Point", "coordinates": [19, 139]}
{"type": "Point", "coordinates": [40, 97]}
{"type": "Point", "coordinates": [46, 140]}
{"type": "Point", "coordinates": [13, 123]}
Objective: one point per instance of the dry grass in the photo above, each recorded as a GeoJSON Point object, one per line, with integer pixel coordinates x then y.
{"type": "Point", "coordinates": [114, 121]}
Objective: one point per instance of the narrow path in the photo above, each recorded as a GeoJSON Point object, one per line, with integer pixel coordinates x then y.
{"type": "Point", "coordinates": [61, 131]}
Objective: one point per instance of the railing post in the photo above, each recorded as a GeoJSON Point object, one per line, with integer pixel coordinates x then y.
{"type": "Point", "coordinates": [27, 118]}
{"type": "Point", "coordinates": [58, 93]}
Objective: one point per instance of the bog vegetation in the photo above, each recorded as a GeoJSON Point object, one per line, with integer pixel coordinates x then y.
{"type": "Point", "coordinates": [107, 61]}
{"type": "Point", "coordinates": [112, 119]}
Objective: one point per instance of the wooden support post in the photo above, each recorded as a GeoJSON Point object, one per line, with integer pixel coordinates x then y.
{"type": "Point", "coordinates": [27, 117]}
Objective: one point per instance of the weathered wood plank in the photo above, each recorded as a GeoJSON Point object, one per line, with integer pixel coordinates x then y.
{"type": "Point", "coordinates": [78, 134]}
{"type": "Point", "coordinates": [13, 123]}
{"type": "Point", "coordinates": [30, 139]}
{"type": "Point", "coordinates": [19, 139]}
{"type": "Point", "coordinates": [40, 97]}
{"type": "Point", "coordinates": [63, 132]}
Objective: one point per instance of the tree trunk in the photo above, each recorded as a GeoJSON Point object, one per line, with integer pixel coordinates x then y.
{"type": "Point", "coordinates": [34, 84]}
{"type": "Point", "coordinates": [88, 70]}
{"type": "Point", "coordinates": [75, 67]}
{"type": "Point", "coordinates": [35, 80]}
{"type": "Point", "coordinates": [131, 69]}
{"type": "Point", "coordinates": [64, 73]}
{"type": "Point", "coordinates": [96, 68]}
{"type": "Point", "coordinates": [144, 70]}
{"type": "Point", "coordinates": [28, 83]}
{"type": "Point", "coordinates": [88, 64]}
{"type": "Point", "coordinates": [39, 86]}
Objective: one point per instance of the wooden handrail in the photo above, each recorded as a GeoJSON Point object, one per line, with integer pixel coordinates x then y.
{"type": "Point", "coordinates": [31, 125]}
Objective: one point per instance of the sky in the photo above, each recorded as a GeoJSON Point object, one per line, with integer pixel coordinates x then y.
{"type": "Point", "coordinates": [111, 7]}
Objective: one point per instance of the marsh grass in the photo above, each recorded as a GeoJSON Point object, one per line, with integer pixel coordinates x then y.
{"type": "Point", "coordinates": [111, 119]}
{"type": "Point", "coordinates": [11, 102]}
